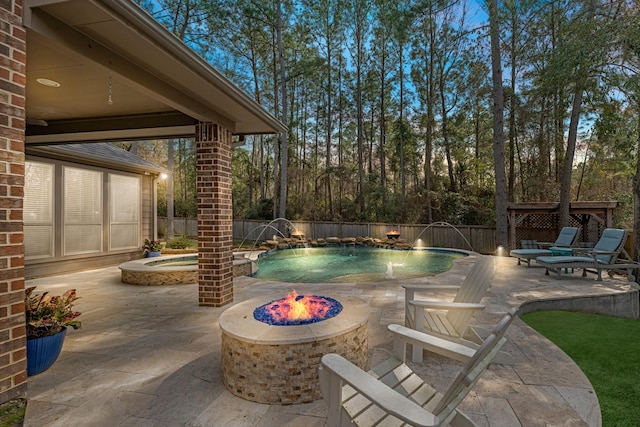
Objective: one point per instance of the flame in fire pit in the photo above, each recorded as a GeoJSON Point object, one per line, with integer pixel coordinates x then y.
{"type": "Point", "coordinates": [295, 309]}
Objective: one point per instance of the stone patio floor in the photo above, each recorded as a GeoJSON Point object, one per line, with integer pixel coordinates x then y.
{"type": "Point", "coordinates": [150, 356]}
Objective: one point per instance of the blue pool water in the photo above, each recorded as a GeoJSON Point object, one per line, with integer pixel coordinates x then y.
{"type": "Point", "coordinates": [352, 264]}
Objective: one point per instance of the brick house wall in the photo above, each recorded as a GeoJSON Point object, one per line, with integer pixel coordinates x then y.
{"type": "Point", "coordinates": [13, 376]}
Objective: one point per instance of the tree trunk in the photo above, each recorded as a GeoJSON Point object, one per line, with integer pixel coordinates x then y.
{"type": "Point", "coordinates": [277, 156]}
{"type": "Point", "coordinates": [316, 149]}
{"type": "Point", "coordinates": [403, 189]}
{"type": "Point", "coordinates": [327, 171]}
{"type": "Point", "coordinates": [544, 149]}
{"type": "Point", "coordinates": [284, 149]}
{"type": "Point", "coordinates": [430, 107]}
{"type": "Point", "coordinates": [512, 109]}
{"type": "Point", "coordinates": [383, 130]}
{"type": "Point", "coordinates": [359, 112]}
{"type": "Point", "coordinates": [581, 84]}
{"type": "Point", "coordinates": [257, 150]}
{"type": "Point", "coordinates": [445, 137]}
{"type": "Point", "coordinates": [476, 137]}
{"type": "Point", "coordinates": [263, 175]}
{"type": "Point", "coordinates": [341, 180]}
{"type": "Point", "coordinates": [567, 167]}
{"type": "Point", "coordinates": [636, 198]}
{"type": "Point", "coordinates": [502, 231]}
{"type": "Point", "coordinates": [371, 139]}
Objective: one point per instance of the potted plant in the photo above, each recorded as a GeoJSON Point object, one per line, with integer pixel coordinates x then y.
{"type": "Point", "coordinates": [47, 319]}
{"type": "Point", "coordinates": [152, 248]}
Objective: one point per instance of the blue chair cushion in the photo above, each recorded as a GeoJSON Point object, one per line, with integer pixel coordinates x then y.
{"type": "Point", "coordinates": [530, 253]}
{"type": "Point", "coordinates": [566, 259]}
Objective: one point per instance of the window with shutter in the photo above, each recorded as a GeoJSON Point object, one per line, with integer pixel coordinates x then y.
{"type": "Point", "coordinates": [124, 202]}
{"type": "Point", "coordinates": [82, 211]}
{"type": "Point", "coordinates": [38, 210]}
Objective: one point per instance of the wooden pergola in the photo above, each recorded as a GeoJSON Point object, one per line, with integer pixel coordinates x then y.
{"type": "Point", "coordinates": [540, 221]}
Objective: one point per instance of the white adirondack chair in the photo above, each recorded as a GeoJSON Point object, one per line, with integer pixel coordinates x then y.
{"type": "Point", "coordinates": [391, 394]}
{"type": "Point", "coordinates": [449, 319]}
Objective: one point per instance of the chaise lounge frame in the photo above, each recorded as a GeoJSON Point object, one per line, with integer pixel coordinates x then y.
{"type": "Point", "coordinates": [604, 256]}
{"type": "Point", "coordinates": [566, 239]}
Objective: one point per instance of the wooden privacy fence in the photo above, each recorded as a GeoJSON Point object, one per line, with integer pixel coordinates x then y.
{"type": "Point", "coordinates": [181, 227]}
{"type": "Point", "coordinates": [471, 237]}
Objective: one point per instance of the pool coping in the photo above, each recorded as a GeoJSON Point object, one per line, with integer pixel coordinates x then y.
{"type": "Point", "coordinates": [152, 272]}
{"type": "Point", "coordinates": [146, 264]}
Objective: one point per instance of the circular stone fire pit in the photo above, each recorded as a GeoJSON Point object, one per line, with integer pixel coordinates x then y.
{"type": "Point", "coordinates": [279, 364]}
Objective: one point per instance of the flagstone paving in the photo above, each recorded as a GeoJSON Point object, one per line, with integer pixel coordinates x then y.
{"type": "Point", "coordinates": [150, 356]}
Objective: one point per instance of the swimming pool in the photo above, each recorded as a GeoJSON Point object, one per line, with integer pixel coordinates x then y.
{"type": "Point", "coordinates": [352, 264]}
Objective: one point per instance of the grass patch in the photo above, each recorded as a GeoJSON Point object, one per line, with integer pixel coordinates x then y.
{"type": "Point", "coordinates": [607, 349]}
{"type": "Point", "coordinates": [12, 413]}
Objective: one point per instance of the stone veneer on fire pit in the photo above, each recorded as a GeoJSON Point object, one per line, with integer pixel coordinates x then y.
{"type": "Point", "coordinates": [279, 364]}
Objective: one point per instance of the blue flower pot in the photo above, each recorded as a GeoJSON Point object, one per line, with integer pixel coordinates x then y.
{"type": "Point", "coordinates": [153, 254]}
{"type": "Point", "coordinates": [43, 352]}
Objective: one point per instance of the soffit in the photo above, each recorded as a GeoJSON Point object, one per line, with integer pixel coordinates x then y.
{"type": "Point", "coordinates": [158, 86]}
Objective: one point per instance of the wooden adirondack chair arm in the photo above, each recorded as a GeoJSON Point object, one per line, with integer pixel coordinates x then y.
{"type": "Point", "coordinates": [385, 397]}
{"type": "Point", "coordinates": [427, 287]}
{"type": "Point", "coordinates": [443, 347]}
{"type": "Point", "coordinates": [446, 305]}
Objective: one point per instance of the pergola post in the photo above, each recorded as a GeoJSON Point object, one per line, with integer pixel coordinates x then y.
{"type": "Point", "coordinates": [215, 215]}
{"type": "Point", "coordinates": [13, 55]}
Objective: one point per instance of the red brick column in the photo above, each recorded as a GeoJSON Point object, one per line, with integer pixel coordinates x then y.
{"type": "Point", "coordinates": [215, 215]}
{"type": "Point", "coordinates": [13, 376]}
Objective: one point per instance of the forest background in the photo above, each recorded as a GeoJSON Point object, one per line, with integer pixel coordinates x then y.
{"type": "Point", "coordinates": [391, 108]}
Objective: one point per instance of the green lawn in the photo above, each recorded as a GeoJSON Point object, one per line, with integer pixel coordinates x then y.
{"type": "Point", "coordinates": [607, 349]}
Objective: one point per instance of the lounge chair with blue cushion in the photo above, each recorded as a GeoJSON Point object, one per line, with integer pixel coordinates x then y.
{"type": "Point", "coordinates": [565, 239]}
{"type": "Point", "coordinates": [602, 256]}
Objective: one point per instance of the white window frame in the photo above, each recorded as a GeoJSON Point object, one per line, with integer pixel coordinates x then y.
{"type": "Point", "coordinates": [98, 222]}
{"type": "Point", "coordinates": [32, 223]}
{"type": "Point", "coordinates": [137, 222]}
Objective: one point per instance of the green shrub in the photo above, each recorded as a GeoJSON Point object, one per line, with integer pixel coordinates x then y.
{"type": "Point", "coordinates": [181, 242]}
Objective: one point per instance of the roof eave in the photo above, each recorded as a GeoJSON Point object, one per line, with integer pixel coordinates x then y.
{"type": "Point", "coordinates": [128, 11]}
{"type": "Point", "coordinates": [233, 109]}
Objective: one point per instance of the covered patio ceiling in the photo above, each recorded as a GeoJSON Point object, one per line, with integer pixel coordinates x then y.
{"type": "Point", "coordinates": [122, 76]}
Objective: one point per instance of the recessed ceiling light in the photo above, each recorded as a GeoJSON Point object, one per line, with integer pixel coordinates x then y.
{"type": "Point", "coordinates": [48, 82]}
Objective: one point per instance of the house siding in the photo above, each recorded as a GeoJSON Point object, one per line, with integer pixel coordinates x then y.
{"type": "Point", "coordinates": [13, 376]}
